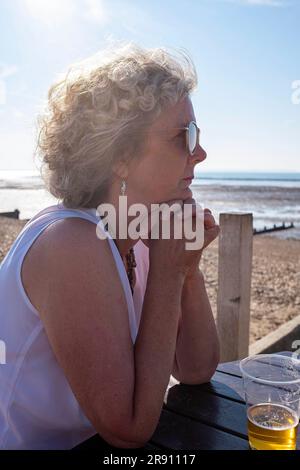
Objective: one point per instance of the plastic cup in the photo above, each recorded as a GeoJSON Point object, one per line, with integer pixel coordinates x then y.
{"type": "Point", "coordinates": [272, 395]}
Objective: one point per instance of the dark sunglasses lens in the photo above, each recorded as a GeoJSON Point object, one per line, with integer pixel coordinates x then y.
{"type": "Point", "coordinates": [192, 137]}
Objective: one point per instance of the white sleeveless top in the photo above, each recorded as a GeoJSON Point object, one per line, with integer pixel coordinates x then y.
{"type": "Point", "coordinates": [38, 409]}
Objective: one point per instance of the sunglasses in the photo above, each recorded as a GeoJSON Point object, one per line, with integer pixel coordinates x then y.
{"type": "Point", "coordinates": [192, 136]}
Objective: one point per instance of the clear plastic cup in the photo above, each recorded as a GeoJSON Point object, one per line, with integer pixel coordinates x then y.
{"type": "Point", "coordinates": [272, 395]}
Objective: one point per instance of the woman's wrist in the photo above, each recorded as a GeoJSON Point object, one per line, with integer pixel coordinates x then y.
{"type": "Point", "coordinates": [166, 274]}
{"type": "Point", "coordinates": [194, 274]}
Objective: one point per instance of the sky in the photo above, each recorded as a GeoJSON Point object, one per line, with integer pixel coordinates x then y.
{"type": "Point", "coordinates": [246, 53]}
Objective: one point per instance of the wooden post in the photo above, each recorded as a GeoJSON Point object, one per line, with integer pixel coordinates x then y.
{"type": "Point", "coordinates": [234, 284]}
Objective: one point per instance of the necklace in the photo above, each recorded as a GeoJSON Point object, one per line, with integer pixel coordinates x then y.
{"type": "Point", "coordinates": [131, 264]}
{"type": "Point", "coordinates": [130, 261]}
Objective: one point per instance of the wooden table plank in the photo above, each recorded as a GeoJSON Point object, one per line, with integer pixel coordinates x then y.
{"type": "Point", "coordinates": [181, 433]}
{"type": "Point", "coordinates": [205, 406]}
{"type": "Point", "coordinates": [230, 368]}
{"type": "Point", "coordinates": [226, 386]}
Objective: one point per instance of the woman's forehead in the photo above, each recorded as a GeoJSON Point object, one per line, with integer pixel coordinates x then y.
{"type": "Point", "coordinates": [176, 116]}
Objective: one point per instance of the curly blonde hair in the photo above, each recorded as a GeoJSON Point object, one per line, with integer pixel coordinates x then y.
{"type": "Point", "coordinates": [98, 112]}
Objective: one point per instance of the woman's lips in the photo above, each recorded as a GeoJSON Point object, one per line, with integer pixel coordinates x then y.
{"type": "Point", "coordinates": [189, 180]}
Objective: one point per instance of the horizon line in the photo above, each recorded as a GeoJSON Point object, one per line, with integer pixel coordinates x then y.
{"type": "Point", "coordinates": [202, 171]}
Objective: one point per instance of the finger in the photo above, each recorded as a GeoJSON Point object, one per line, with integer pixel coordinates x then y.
{"type": "Point", "coordinates": [209, 220]}
{"type": "Point", "coordinates": [211, 234]}
{"type": "Point", "coordinates": [213, 231]}
{"type": "Point", "coordinates": [215, 227]}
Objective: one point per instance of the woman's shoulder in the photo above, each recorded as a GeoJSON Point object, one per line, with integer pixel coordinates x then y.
{"type": "Point", "coordinates": [65, 233]}
{"type": "Point", "coordinates": [67, 240]}
{"type": "Point", "coordinates": [69, 229]}
{"type": "Point", "coordinates": [64, 249]}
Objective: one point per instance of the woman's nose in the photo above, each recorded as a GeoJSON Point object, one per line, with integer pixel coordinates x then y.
{"type": "Point", "coordinates": [199, 154]}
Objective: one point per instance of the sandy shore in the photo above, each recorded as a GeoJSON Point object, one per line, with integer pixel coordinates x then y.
{"type": "Point", "coordinates": [275, 296]}
{"type": "Point", "coordinates": [275, 286]}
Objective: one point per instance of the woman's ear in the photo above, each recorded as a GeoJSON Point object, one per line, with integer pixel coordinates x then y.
{"type": "Point", "coordinates": [120, 168]}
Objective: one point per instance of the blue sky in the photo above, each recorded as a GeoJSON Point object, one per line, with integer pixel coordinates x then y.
{"type": "Point", "coordinates": [246, 54]}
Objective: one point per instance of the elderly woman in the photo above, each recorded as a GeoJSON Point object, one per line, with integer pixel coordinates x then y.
{"type": "Point", "coordinates": [94, 327]}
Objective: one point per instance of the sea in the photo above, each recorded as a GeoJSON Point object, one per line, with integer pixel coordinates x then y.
{"type": "Point", "coordinates": [272, 198]}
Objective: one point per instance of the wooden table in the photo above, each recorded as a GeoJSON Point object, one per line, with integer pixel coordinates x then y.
{"type": "Point", "coordinates": [209, 416]}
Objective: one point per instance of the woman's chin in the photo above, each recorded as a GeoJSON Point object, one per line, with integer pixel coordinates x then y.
{"type": "Point", "coordinates": [188, 191]}
{"type": "Point", "coordinates": [183, 193]}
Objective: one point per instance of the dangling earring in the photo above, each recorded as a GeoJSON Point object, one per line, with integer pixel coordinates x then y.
{"type": "Point", "coordinates": [123, 188]}
{"type": "Point", "coordinates": [130, 257]}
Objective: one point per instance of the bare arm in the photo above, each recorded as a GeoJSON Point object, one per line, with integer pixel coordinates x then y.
{"type": "Point", "coordinates": [119, 386]}
{"type": "Point", "coordinates": [155, 348]}
{"type": "Point", "coordinates": [197, 349]}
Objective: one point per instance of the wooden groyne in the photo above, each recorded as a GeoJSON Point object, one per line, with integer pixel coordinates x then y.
{"type": "Point", "coordinates": [12, 215]}
{"type": "Point", "coordinates": [275, 227]}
